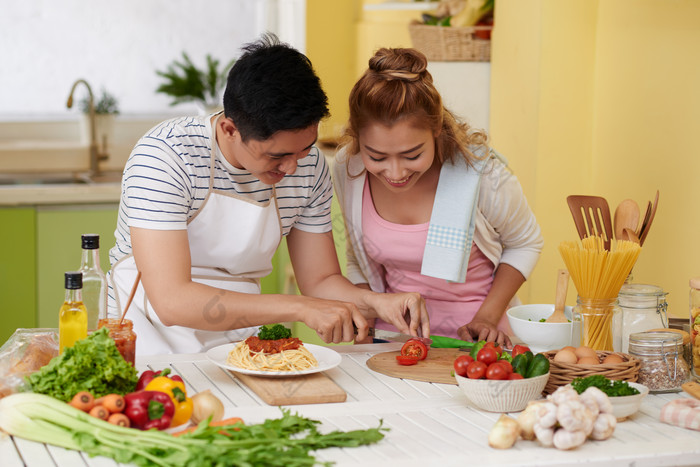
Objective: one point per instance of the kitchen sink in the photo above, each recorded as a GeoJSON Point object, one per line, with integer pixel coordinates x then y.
{"type": "Point", "coordinates": [59, 178]}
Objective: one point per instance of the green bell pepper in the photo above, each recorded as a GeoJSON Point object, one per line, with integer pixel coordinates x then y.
{"type": "Point", "coordinates": [538, 367]}
{"type": "Point", "coordinates": [444, 342]}
{"type": "Point", "coordinates": [521, 363]}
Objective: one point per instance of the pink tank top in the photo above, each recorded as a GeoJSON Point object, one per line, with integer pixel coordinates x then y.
{"type": "Point", "coordinates": [399, 249]}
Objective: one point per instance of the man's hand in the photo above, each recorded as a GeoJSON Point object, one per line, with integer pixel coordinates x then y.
{"type": "Point", "coordinates": [332, 320]}
{"type": "Point", "coordinates": [406, 311]}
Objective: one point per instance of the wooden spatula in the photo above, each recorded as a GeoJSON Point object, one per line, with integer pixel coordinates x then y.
{"type": "Point", "coordinates": [560, 298]}
{"type": "Point", "coordinates": [645, 229]}
{"type": "Point", "coordinates": [592, 217]}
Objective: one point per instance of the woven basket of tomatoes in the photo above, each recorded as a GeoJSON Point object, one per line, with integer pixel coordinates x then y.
{"type": "Point", "coordinates": [496, 381]}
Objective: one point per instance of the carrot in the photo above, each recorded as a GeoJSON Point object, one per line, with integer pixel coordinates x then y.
{"type": "Point", "coordinates": [226, 421]}
{"type": "Point", "coordinates": [100, 412]}
{"type": "Point", "coordinates": [119, 419]}
{"type": "Point", "coordinates": [112, 402]}
{"type": "Point", "coordinates": [83, 401]}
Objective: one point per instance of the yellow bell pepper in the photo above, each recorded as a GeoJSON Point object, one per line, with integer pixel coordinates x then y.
{"type": "Point", "coordinates": [177, 392]}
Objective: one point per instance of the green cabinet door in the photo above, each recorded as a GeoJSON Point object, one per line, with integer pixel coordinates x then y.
{"type": "Point", "coordinates": [17, 270]}
{"type": "Point", "coordinates": [58, 250]}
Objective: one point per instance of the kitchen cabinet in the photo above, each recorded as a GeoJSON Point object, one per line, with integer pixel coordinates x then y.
{"type": "Point", "coordinates": [58, 231]}
{"type": "Point", "coordinates": [17, 270]}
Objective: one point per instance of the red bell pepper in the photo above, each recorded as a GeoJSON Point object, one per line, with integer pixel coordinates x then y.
{"type": "Point", "coordinates": [149, 409]}
{"type": "Point", "coordinates": [148, 375]}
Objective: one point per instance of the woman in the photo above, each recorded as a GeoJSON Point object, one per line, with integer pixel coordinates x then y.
{"type": "Point", "coordinates": [429, 207]}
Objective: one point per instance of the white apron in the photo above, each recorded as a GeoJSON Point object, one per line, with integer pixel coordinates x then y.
{"type": "Point", "coordinates": [232, 241]}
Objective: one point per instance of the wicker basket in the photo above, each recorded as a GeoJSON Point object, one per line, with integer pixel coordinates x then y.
{"type": "Point", "coordinates": [449, 44]}
{"type": "Point", "coordinates": [561, 374]}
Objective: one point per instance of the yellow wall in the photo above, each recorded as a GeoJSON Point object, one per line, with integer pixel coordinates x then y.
{"type": "Point", "coordinates": [331, 45]}
{"type": "Point", "coordinates": [341, 36]}
{"type": "Point", "coordinates": [602, 97]}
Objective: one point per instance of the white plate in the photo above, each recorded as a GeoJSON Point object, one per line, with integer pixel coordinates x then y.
{"type": "Point", "coordinates": [327, 359]}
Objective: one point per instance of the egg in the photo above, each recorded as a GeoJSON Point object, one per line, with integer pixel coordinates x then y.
{"type": "Point", "coordinates": [569, 347]}
{"type": "Point", "coordinates": [585, 351]}
{"type": "Point", "coordinates": [565, 356]}
{"type": "Point", "coordinates": [612, 359]}
{"type": "Point", "coordinates": [588, 361]}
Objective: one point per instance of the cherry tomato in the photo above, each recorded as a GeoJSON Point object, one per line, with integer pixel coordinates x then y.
{"type": "Point", "coordinates": [406, 360]}
{"type": "Point", "coordinates": [476, 370]}
{"type": "Point", "coordinates": [414, 348]}
{"type": "Point", "coordinates": [515, 376]}
{"type": "Point", "coordinates": [506, 365]}
{"type": "Point", "coordinates": [461, 363]}
{"type": "Point", "coordinates": [518, 349]}
{"type": "Point", "coordinates": [496, 371]}
{"type": "Point", "coordinates": [487, 354]}
{"type": "Point", "coordinates": [496, 347]}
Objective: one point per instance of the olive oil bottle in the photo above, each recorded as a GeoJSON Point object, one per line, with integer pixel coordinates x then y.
{"type": "Point", "coordinates": [94, 281]}
{"type": "Point", "coordinates": [73, 317]}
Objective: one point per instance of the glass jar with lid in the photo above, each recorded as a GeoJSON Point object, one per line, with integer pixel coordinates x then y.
{"type": "Point", "coordinates": [122, 332]}
{"type": "Point", "coordinates": [643, 307]}
{"type": "Point", "coordinates": [695, 325]}
{"type": "Point", "coordinates": [663, 368]}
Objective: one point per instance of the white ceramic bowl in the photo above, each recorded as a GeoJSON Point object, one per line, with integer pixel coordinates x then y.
{"type": "Point", "coordinates": [624, 406]}
{"type": "Point", "coordinates": [502, 395]}
{"type": "Point", "coordinates": [525, 322]}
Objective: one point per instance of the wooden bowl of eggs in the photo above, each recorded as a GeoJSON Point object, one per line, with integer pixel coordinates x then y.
{"type": "Point", "coordinates": [569, 363]}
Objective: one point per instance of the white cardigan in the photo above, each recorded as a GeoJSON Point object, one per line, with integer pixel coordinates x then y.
{"type": "Point", "coordinates": [506, 229]}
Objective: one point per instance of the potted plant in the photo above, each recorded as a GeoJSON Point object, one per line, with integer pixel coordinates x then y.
{"type": "Point", "coordinates": [106, 108]}
{"type": "Point", "coordinates": [184, 82]}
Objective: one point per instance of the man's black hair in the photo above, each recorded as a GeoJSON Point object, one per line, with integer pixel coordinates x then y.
{"type": "Point", "coordinates": [273, 87]}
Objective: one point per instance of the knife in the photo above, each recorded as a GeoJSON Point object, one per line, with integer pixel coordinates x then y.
{"type": "Point", "coordinates": [396, 336]}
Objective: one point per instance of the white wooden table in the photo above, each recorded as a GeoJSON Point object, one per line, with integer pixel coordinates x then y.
{"type": "Point", "coordinates": [431, 424]}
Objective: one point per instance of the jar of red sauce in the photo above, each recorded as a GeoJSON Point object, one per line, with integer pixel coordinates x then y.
{"type": "Point", "coordinates": [123, 334]}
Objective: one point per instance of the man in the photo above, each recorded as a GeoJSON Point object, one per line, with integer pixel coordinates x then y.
{"type": "Point", "coordinates": [205, 202]}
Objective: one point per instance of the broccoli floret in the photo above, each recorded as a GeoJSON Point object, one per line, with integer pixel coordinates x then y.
{"type": "Point", "coordinates": [273, 332]}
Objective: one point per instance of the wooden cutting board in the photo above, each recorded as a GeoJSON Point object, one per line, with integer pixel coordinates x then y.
{"type": "Point", "coordinates": [436, 368]}
{"type": "Point", "coordinates": [316, 388]}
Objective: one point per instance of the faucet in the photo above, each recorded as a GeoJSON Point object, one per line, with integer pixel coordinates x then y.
{"type": "Point", "coordinates": [95, 154]}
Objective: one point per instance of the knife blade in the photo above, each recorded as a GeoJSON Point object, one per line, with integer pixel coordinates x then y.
{"type": "Point", "coordinates": [396, 336]}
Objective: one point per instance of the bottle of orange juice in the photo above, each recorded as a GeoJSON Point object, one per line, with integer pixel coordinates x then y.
{"type": "Point", "coordinates": [72, 318]}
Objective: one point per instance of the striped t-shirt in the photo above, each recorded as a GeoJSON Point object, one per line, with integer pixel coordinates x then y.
{"type": "Point", "coordinates": [167, 175]}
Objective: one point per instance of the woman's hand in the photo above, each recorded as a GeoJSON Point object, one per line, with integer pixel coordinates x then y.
{"type": "Point", "coordinates": [482, 330]}
{"type": "Point", "coordinates": [406, 311]}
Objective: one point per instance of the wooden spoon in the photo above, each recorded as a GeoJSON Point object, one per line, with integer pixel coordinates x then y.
{"type": "Point", "coordinates": [626, 216]}
{"type": "Point", "coordinates": [560, 298]}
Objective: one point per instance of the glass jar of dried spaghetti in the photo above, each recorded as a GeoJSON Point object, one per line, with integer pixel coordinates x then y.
{"type": "Point", "coordinates": [643, 309]}
{"type": "Point", "coordinates": [663, 368]}
{"type": "Point", "coordinates": [597, 322]}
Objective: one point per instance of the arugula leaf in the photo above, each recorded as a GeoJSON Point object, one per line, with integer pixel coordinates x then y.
{"type": "Point", "coordinates": [274, 332]}
{"type": "Point", "coordinates": [92, 364]}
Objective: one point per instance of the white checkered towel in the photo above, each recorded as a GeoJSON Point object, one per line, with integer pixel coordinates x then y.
{"type": "Point", "coordinates": [451, 229]}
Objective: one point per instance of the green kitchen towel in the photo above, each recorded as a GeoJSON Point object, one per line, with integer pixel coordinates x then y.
{"type": "Point", "coordinates": [444, 342]}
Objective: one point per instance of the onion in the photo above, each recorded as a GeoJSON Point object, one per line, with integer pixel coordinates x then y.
{"type": "Point", "coordinates": [205, 404]}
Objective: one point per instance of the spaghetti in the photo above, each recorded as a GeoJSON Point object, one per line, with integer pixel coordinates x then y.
{"type": "Point", "coordinates": [598, 275]}
{"type": "Point", "coordinates": [271, 355]}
